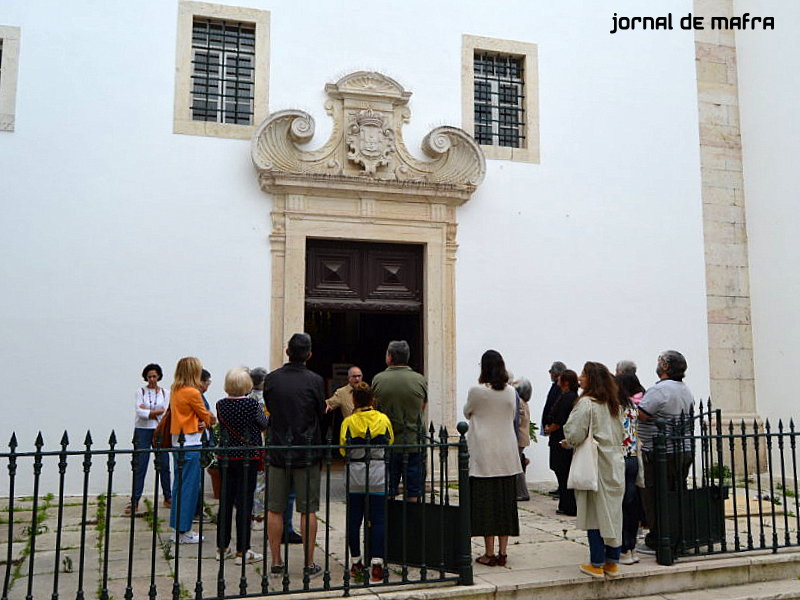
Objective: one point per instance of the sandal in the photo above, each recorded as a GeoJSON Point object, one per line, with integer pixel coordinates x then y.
{"type": "Point", "coordinates": [490, 560]}
{"type": "Point", "coordinates": [501, 560]}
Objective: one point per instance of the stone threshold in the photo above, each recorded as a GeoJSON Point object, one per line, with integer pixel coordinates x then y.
{"type": "Point", "coordinates": [644, 581]}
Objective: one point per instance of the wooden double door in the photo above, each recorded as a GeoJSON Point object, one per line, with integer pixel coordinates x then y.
{"type": "Point", "coordinates": [358, 297]}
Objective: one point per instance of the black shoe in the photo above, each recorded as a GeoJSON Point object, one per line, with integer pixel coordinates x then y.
{"type": "Point", "coordinates": [553, 492]}
{"type": "Point", "coordinates": [565, 513]}
{"type": "Point", "coordinates": [292, 538]}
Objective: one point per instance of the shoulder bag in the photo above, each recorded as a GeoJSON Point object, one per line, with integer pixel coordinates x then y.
{"type": "Point", "coordinates": [583, 471]}
{"type": "Point", "coordinates": [162, 438]}
{"type": "Point", "coordinates": [258, 459]}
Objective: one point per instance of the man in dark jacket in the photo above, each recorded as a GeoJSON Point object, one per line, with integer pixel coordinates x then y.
{"type": "Point", "coordinates": [556, 369]}
{"type": "Point", "coordinates": [295, 399]}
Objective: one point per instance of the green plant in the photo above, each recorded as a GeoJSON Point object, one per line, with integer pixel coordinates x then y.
{"type": "Point", "coordinates": [36, 526]}
{"type": "Point", "coordinates": [718, 471]}
{"type": "Point", "coordinates": [533, 429]}
{"type": "Point", "coordinates": [100, 528]}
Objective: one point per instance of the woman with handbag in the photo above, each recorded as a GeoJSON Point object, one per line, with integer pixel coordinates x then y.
{"type": "Point", "coordinates": [594, 429]}
{"type": "Point", "coordinates": [152, 402]}
{"type": "Point", "coordinates": [493, 458]}
{"type": "Point", "coordinates": [241, 422]}
{"type": "Point", "coordinates": [188, 416]}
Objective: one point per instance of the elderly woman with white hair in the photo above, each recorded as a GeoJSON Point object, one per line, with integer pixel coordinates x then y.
{"type": "Point", "coordinates": [524, 392]}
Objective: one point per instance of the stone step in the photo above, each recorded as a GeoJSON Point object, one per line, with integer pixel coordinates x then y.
{"type": "Point", "coordinates": [784, 589]}
{"type": "Point", "coordinates": [757, 576]}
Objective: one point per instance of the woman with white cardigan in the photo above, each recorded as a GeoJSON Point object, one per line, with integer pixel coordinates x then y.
{"type": "Point", "coordinates": [493, 458]}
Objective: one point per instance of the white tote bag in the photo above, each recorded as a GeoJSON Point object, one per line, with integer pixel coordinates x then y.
{"type": "Point", "coordinates": [583, 471]}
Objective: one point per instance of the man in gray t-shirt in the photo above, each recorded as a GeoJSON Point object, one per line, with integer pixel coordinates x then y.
{"type": "Point", "coordinates": [669, 399]}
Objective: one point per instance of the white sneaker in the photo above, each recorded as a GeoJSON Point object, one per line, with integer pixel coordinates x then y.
{"type": "Point", "coordinates": [258, 525]}
{"type": "Point", "coordinates": [628, 558]}
{"type": "Point", "coordinates": [249, 557]}
{"type": "Point", "coordinates": [227, 554]}
{"type": "Point", "coordinates": [189, 537]}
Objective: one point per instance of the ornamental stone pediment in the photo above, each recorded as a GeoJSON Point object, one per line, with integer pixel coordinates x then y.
{"type": "Point", "coordinates": [366, 148]}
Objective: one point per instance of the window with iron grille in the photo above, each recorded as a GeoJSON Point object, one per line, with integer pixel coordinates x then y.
{"type": "Point", "coordinates": [223, 67]}
{"type": "Point", "coordinates": [499, 99]}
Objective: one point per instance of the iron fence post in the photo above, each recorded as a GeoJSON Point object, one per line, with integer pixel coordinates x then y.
{"type": "Point", "coordinates": [465, 509]}
{"type": "Point", "coordinates": [664, 555]}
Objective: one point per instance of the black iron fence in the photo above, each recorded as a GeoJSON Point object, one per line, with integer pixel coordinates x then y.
{"type": "Point", "coordinates": [85, 545]}
{"type": "Point", "coordinates": [724, 486]}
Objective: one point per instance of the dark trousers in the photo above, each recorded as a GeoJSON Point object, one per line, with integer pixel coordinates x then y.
{"type": "Point", "coordinates": [678, 465]}
{"type": "Point", "coordinates": [631, 505]}
{"type": "Point", "coordinates": [375, 526]}
{"type": "Point", "coordinates": [560, 462]}
{"type": "Point", "coordinates": [522, 482]}
{"type": "Point", "coordinates": [238, 485]}
{"type": "Point", "coordinates": [143, 440]}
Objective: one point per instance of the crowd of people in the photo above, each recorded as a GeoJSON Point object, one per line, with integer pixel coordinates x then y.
{"type": "Point", "coordinates": [613, 412]}
{"type": "Point", "coordinates": [619, 416]}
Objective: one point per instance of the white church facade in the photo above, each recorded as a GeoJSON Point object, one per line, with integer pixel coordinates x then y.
{"type": "Point", "coordinates": [187, 178]}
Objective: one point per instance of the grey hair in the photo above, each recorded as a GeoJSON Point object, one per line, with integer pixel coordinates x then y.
{"type": "Point", "coordinates": [524, 388]}
{"type": "Point", "coordinates": [258, 375]}
{"type": "Point", "coordinates": [399, 352]}
{"type": "Point", "coordinates": [626, 366]}
{"type": "Point", "coordinates": [674, 364]}
{"type": "Point", "coordinates": [558, 367]}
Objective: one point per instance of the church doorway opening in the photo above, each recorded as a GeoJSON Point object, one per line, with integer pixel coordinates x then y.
{"type": "Point", "coordinates": [359, 296]}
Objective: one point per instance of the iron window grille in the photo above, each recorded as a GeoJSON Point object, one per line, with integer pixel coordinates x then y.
{"type": "Point", "coordinates": [499, 98]}
{"type": "Point", "coordinates": [223, 71]}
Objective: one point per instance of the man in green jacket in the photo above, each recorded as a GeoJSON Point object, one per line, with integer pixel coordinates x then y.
{"type": "Point", "coordinates": [402, 394]}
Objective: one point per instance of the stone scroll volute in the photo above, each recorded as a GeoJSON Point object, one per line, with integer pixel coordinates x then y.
{"type": "Point", "coordinates": [368, 111]}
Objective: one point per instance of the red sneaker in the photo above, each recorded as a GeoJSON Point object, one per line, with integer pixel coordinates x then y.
{"type": "Point", "coordinates": [376, 572]}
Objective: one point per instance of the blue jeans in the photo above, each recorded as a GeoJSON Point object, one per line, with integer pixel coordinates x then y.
{"type": "Point", "coordinates": [143, 440]}
{"type": "Point", "coordinates": [374, 531]}
{"type": "Point", "coordinates": [186, 488]}
{"type": "Point", "coordinates": [413, 475]}
{"type": "Point", "coordinates": [599, 553]}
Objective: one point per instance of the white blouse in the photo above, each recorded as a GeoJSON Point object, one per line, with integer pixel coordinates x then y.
{"type": "Point", "coordinates": [148, 399]}
{"type": "Point", "coordinates": [492, 439]}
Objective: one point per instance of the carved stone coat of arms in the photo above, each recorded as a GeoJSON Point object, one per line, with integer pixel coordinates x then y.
{"type": "Point", "coordinates": [369, 141]}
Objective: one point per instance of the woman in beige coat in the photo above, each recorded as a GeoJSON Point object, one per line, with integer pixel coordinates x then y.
{"type": "Point", "coordinates": [493, 458]}
{"type": "Point", "coordinates": [600, 512]}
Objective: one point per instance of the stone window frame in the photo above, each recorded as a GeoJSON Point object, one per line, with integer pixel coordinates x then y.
{"type": "Point", "coordinates": [182, 116]}
{"type": "Point", "coordinates": [529, 53]}
{"type": "Point", "coordinates": [9, 74]}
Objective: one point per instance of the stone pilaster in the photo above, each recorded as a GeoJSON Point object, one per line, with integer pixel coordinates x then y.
{"type": "Point", "coordinates": [730, 338]}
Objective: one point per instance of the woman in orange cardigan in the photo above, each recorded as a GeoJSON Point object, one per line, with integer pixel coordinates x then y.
{"type": "Point", "coordinates": [190, 417]}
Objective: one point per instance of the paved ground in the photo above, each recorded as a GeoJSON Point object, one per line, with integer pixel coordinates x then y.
{"type": "Point", "coordinates": [548, 548]}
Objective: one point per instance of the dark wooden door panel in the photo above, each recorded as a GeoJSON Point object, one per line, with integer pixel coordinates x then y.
{"type": "Point", "coordinates": [363, 276]}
